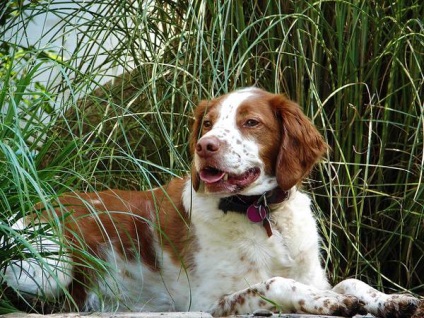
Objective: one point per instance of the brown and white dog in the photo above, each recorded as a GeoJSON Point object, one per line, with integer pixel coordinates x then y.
{"type": "Point", "coordinates": [234, 237]}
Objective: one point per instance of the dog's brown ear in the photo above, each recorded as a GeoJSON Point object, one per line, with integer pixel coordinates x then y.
{"type": "Point", "coordinates": [301, 143]}
{"type": "Point", "coordinates": [199, 112]}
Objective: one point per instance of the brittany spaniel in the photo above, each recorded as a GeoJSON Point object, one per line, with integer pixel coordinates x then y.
{"type": "Point", "coordinates": [233, 237]}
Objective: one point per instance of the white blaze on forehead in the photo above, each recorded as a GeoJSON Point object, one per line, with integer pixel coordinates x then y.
{"type": "Point", "coordinates": [225, 126]}
{"type": "Point", "coordinates": [228, 107]}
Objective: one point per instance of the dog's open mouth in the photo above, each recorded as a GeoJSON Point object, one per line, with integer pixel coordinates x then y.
{"type": "Point", "coordinates": [214, 176]}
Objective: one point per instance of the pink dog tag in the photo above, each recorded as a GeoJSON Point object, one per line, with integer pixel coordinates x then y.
{"type": "Point", "coordinates": [256, 214]}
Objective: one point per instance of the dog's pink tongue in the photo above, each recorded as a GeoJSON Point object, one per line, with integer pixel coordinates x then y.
{"type": "Point", "coordinates": [211, 176]}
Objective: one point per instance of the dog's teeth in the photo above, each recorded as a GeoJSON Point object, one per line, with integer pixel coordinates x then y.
{"type": "Point", "coordinates": [226, 177]}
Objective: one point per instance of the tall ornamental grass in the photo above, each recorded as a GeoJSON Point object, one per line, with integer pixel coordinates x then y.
{"type": "Point", "coordinates": [354, 66]}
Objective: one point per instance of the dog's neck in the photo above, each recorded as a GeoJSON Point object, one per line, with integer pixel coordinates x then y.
{"type": "Point", "coordinates": [240, 203]}
{"type": "Point", "coordinates": [256, 207]}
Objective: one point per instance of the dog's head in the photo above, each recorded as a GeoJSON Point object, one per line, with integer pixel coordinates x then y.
{"type": "Point", "coordinates": [251, 141]}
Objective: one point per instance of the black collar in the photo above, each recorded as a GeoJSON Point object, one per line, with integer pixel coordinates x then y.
{"type": "Point", "coordinates": [255, 207]}
{"type": "Point", "coordinates": [240, 203]}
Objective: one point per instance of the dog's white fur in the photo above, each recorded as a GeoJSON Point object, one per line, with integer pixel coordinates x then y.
{"type": "Point", "coordinates": [229, 265]}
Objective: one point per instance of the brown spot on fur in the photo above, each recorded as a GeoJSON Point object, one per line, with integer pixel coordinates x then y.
{"type": "Point", "coordinates": [302, 305]}
{"type": "Point", "coordinates": [240, 300]}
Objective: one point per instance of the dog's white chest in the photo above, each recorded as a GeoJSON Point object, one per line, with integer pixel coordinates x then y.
{"type": "Point", "coordinates": [232, 258]}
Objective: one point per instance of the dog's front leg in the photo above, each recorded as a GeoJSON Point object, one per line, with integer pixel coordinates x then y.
{"type": "Point", "coordinates": [286, 295]}
{"type": "Point", "coordinates": [378, 303]}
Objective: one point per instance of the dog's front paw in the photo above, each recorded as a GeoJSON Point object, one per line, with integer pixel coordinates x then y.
{"type": "Point", "coordinates": [330, 303]}
{"type": "Point", "coordinates": [398, 306]}
{"type": "Point", "coordinates": [349, 307]}
{"type": "Point", "coordinates": [324, 302]}
{"type": "Point", "coordinates": [378, 303]}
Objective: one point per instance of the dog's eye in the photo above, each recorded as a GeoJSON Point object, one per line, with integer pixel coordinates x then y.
{"type": "Point", "coordinates": [207, 124]}
{"type": "Point", "coordinates": [251, 123]}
